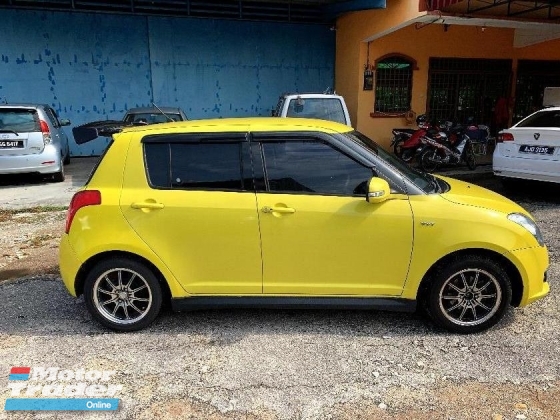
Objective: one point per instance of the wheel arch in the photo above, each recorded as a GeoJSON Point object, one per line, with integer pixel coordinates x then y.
{"type": "Point", "coordinates": [90, 263]}
{"type": "Point", "coordinates": [505, 263]}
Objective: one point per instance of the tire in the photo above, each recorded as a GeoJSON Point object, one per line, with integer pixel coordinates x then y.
{"type": "Point", "coordinates": [426, 162]}
{"type": "Point", "coordinates": [470, 157]}
{"type": "Point", "coordinates": [397, 148]}
{"type": "Point", "coordinates": [408, 155]}
{"type": "Point", "coordinates": [122, 294]}
{"type": "Point", "coordinates": [509, 183]}
{"type": "Point", "coordinates": [59, 176]}
{"type": "Point", "coordinates": [67, 158]}
{"type": "Point", "coordinates": [468, 295]}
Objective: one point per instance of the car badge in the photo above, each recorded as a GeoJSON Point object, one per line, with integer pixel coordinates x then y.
{"type": "Point", "coordinates": [4, 136]}
{"type": "Point", "coordinates": [536, 136]}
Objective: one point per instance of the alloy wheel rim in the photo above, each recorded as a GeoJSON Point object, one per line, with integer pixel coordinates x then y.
{"type": "Point", "coordinates": [122, 296]}
{"type": "Point", "coordinates": [470, 297]}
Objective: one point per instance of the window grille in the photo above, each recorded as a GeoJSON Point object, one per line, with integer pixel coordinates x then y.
{"type": "Point", "coordinates": [532, 77]}
{"type": "Point", "coordinates": [461, 88]}
{"type": "Point", "coordinates": [393, 85]}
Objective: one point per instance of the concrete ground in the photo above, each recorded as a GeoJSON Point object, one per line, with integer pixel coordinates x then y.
{"type": "Point", "coordinates": [23, 191]}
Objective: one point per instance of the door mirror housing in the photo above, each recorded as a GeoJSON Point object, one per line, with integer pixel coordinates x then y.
{"type": "Point", "coordinates": [378, 190]}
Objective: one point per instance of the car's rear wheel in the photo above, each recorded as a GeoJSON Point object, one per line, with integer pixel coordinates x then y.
{"type": "Point", "coordinates": [468, 295]}
{"type": "Point", "coordinates": [67, 157]}
{"type": "Point", "coordinates": [123, 294]}
{"type": "Point", "coordinates": [59, 176]}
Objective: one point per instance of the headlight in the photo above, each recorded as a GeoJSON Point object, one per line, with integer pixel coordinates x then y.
{"type": "Point", "coordinates": [528, 224]}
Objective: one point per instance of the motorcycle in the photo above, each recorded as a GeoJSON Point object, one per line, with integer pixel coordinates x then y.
{"type": "Point", "coordinates": [439, 150]}
{"type": "Point", "coordinates": [406, 142]}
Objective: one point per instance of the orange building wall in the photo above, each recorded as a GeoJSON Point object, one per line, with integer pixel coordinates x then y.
{"type": "Point", "coordinates": [419, 44]}
{"type": "Point", "coordinates": [353, 28]}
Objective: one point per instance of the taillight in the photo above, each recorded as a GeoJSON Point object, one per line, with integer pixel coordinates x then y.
{"type": "Point", "coordinates": [46, 132]}
{"type": "Point", "coordinates": [504, 137]}
{"type": "Point", "coordinates": [81, 199]}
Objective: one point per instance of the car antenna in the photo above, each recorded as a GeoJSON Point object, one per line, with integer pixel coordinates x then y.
{"type": "Point", "coordinates": [163, 113]}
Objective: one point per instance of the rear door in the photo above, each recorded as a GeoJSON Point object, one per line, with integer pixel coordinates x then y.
{"type": "Point", "coordinates": [194, 205]}
{"type": "Point", "coordinates": [20, 132]}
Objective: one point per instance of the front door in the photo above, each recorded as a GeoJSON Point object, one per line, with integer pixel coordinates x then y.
{"type": "Point", "coordinates": [319, 234]}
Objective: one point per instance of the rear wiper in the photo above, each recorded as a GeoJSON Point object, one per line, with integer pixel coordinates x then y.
{"type": "Point", "coordinates": [9, 131]}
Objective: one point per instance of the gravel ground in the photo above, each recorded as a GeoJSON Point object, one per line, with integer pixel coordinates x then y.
{"type": "Point", "coordinates": [274, 364]}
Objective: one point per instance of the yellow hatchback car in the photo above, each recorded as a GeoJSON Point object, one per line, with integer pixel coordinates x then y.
{"type": "Point", "coordinates": [289, 213]}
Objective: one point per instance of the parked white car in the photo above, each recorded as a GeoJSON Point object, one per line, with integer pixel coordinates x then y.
{"type": "Point", "coordinates": [531, 148]}
{"type": "Point", "coordinates": [324, 106]}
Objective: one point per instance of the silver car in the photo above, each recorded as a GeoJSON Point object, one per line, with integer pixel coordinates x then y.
{"type": "Point", "coordinates": [32, 140]}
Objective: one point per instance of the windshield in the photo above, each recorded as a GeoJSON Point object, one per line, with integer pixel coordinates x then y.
{"type": "Point", "coordinates": [321, 108]}
{"type": "Point", "coordinates": [542, 119]}
{"type": "Point", "coordinates": [151, 118]}
{"type": "Point", "coordinates": [426, 182]}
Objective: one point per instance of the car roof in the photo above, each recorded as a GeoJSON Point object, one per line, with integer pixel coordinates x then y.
{"type": "Point", "coordinates": [311, 95]}
{"type": "Point", "coordinates": [254, 124]}
{"type": "Point", "coordinates": [150, 109]}
{"type": "Point", "coordinates": [24, 105]}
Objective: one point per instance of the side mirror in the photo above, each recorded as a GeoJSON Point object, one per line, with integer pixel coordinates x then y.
{"type": "Point", "coordinates": [64, 121]}
{"type": "Point", "coordinates": [378, 190]}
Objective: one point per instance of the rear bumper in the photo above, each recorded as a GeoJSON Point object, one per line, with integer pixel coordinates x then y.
{"type": "Point", "coordinates": [47, 162]}
{"type": "Point", "coordinates": [69, 265]}
{"type": "Point", "coordinates": [517, 167]}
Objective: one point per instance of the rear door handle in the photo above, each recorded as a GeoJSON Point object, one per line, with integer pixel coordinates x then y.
{"type": "Point", "coordinates": [147, 205]}
{"type": "Point", "coordinates": [285, 210]}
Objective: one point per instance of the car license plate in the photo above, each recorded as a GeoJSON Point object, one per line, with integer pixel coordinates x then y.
{"type": "Point", "coordinates": [11, 144]}
{"type": "Point", "coordinates": [538, 150]}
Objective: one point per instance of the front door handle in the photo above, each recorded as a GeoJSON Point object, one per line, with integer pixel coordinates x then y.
{"type": "Point", "coordinates": [284, 210]}
{"type": "Point", "coordinates": [147, 205]}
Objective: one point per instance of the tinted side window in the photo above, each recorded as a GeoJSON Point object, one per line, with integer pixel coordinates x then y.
{"type": "Point", "coordinates": [199, 166]}
{"type": "Point", "coordinates": [543, 119]}
{"type": "Point", "coordinates": [52, 117]}
{"type": "Point", "coordinates": [313, 167]}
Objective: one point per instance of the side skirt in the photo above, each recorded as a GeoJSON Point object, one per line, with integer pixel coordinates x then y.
{"type": "Point", "coordinates": [290, 302]}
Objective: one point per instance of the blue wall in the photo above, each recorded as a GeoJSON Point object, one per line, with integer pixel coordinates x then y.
{"type": "Point", "coordinates": [95, 66]}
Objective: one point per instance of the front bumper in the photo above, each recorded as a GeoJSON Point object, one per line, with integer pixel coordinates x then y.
{"type": "Point", "coordinates": [49, 161]}
{"type": "Point", "coordinates": [532, 264]}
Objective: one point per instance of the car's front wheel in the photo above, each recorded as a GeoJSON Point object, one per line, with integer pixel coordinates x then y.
{"type": "Point", "coordinates": [469, 295]}
{"type": "Point", "coordinates": [123, 294]}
